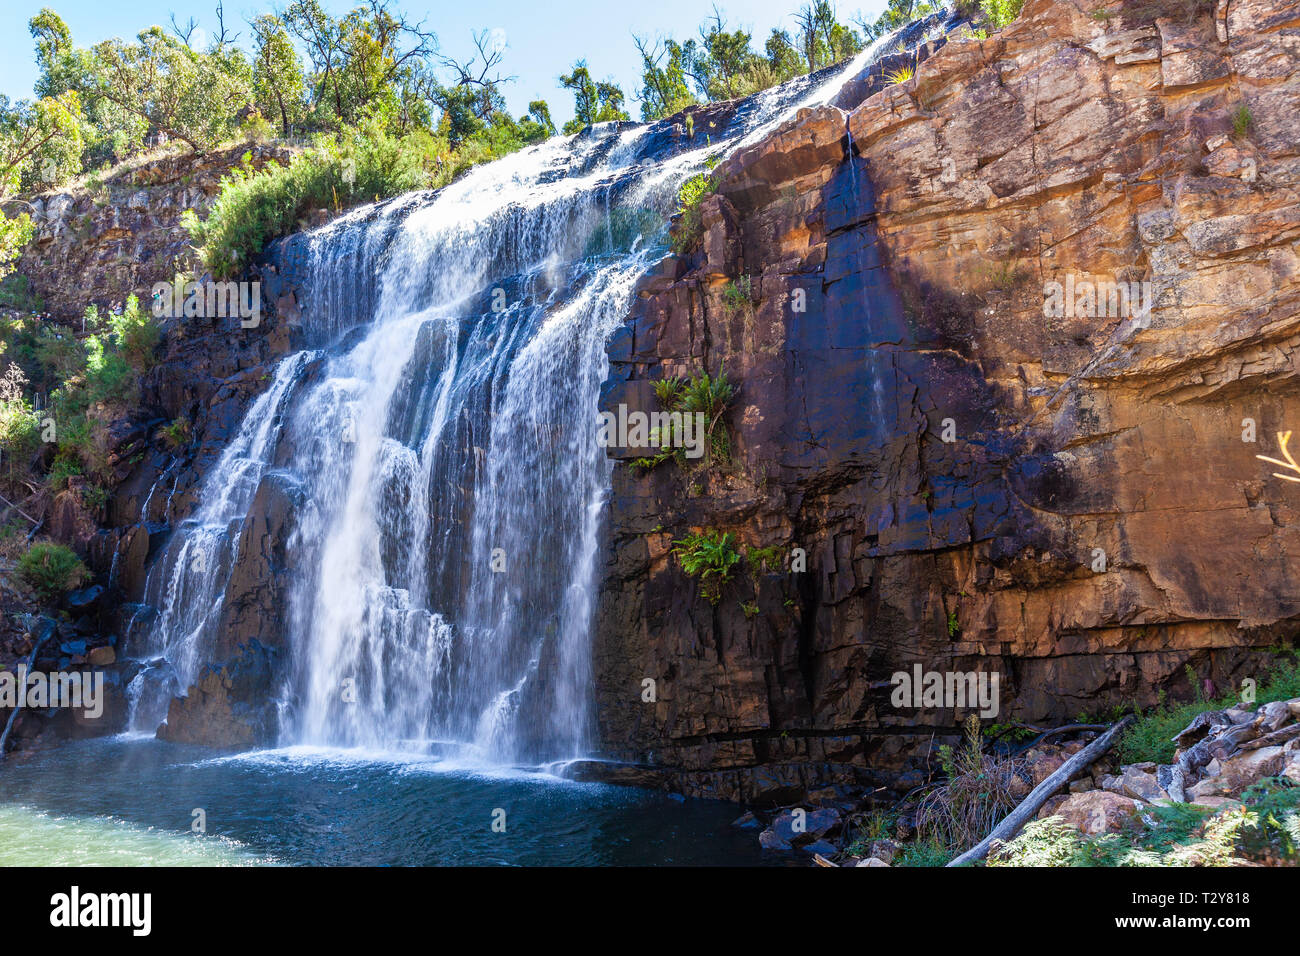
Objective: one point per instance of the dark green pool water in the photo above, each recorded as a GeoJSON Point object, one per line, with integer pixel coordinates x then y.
{"type": "Point", "coordinates": [125, 801]}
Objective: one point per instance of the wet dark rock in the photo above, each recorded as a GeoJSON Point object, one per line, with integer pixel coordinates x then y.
{"type": "Point", "coordinates": [86, 599]}
{"type": "Point", "coordinates": [612, 772]}
{"type": "Point", "coordinates": [820, 847]}
{"type": "Point", "coordinates": [229, 707]}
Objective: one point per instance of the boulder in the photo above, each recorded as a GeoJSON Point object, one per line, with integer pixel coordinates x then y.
{"type": "Point", "coordinates": [797, 827]}
{"type": "Point", "coordinates": [101, 656]}
{"type": "Point", "coordinates": [1141, 784]}
{"type": "Point", "coordinates": [1249, 767]}
{"type": "Point", "coordinates": [1097, 811]}
{"type": "Point", "coordinates": [883, 849]}
{"type": "Point", "coordinates": [230, 707]}
{"type": "Point", "coordinates": [821, 847]}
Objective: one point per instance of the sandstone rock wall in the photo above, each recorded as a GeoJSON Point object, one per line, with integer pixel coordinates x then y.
{"type": "Point", "coordinates": [1134, 142]}
{"type": "Point", "coordinates": [103, 239]}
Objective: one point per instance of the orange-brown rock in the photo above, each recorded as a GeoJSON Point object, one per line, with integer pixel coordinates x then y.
{"type": "Point", "coordinates": [1099, 520]}
{"type": "Point", "coordinates": [1096, 811]}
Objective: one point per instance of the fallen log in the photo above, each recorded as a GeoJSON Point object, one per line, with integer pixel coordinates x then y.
{"type": "Point", "coordinates": [1273, 739]}
{"type": "Point", "coordinates": [1067, 729]}
{"type": "Point", "coordinates": [1018, 817]}
{"type": "Point", "coordinates": [10, 506]}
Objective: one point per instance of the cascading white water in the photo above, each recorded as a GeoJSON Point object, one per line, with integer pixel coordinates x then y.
{"type": "Point", "coordinates": [188, 581]}
{"type": "Point", "coordinates": [443, 440]}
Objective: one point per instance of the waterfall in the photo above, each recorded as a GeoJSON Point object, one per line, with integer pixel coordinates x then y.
{"type": "Point", "coordinates": [441, 439]}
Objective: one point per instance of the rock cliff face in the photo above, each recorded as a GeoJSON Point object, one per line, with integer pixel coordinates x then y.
{"type": "Point", "coordinates": [1067, 497]}
{"type": "Point", "coordinates": [101, 241]}
{"type": "Point", "coordinates": [979, 481]}
{"type": "Point", "coordinates": [97, 243]}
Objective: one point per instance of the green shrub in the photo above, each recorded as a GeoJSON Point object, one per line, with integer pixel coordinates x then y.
{"type": "Point", "coordinates": [95, 498]}
{"type": "Point", "coordinates": [51, 570]}
{"type": "Point", "coordinates": [1001, 12]}
{"type": "Point", "coordinates": [178, 433]}
{"type": "Point", "coordinates": [704, 394]}
{"type": "Point", "coordinates": [923, 853]}
{"type": "Point", "coordinates": [1265, 827]}
{"type": "Point", "coordinates": [737, 295]}
{"type": "Point", "coordinates": [1242, 121]}
{"type": "Point", "coordinates": [136, 335]}
{"type": "Point", "coordinates": [19, 434]}
{"type": "Point", "coordinates": [667, 390]}
{"type": "Point", "coordinates": [690, 227]}
{"type": "Point", "coordinates": [256, 206]}
{"type": "Point", "coordinates": [16, 293]}
{"type": "Point", "coordinates": [66, 465]}
{"type": "Point", "coordinates": [59, 353]}
{"type": "Point", "coordinates": [358, 165]}
{"type": "Point", "coordinates": [710, 556]}
{"type": "Point", "coordinates": [763, 559]}
{"type": "Point", "coordinates": [710, 397]}
{"type": "Point", "coordinates": [109, 377]}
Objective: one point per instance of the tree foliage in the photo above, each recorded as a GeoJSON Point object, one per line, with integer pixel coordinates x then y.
{"type": "Point", "coordinates": [593, 101]}
{"type": "Point", "coordinates": [897, 13]}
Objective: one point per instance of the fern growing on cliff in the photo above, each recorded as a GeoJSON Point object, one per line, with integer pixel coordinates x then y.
{"type": "Point", "coordinates": [705, 395]}
{"type": "Point", "coordinates": [711, 557]}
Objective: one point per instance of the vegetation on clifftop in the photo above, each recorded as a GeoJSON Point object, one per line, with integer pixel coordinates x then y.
{"type": "Point", "coordinates": [370, 86]}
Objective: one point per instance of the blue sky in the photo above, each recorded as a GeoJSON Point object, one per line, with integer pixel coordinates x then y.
{"type": "Point", "coordinates": [544, 37]}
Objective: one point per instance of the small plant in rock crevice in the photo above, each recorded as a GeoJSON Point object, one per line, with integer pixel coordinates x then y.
{"type": "Point", "coordinates": [705, 395]}
{"type": "Point", "coordinates": [737, 294]}
{"type": "Point", "coordinates": [1242, 121]}
{"type": "Point", "coordinates": [1003, 275]}
{"type": "Point", "coordinates": [177, 433]}
{"type": "Point", "coordinates": [690, 227]}
{"type": "Point", "coordinates": [709, 556]}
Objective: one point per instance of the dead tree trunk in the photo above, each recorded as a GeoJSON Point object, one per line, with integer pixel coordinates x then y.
{"type": "Point", "coordinates": [1018, 817]}
{"type": "Point", "coordinates": [13, 714]}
